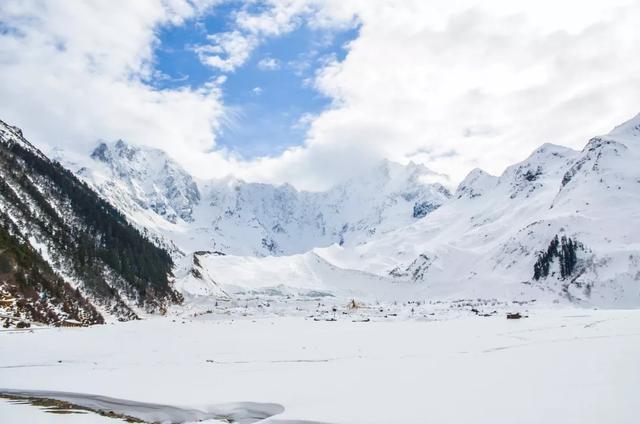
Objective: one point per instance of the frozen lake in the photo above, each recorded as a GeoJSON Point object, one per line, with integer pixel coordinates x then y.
{"type": "Point", "coordinates": [560, 365]}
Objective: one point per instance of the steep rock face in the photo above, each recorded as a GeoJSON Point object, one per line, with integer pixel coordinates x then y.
{"type": "Point", "coordinates": [236, 217]}
{"type": "Point", "coordinates": [65, 249]}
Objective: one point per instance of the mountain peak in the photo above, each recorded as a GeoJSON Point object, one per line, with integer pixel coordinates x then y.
{"type": "Point", "coordinates": [11, 134]}
{"type": "Point", "coordinates": [106, 151]}
{"type": "Point", "coordinates": [551, 149]}
{"type": "Point", "coordinates": [253, 218]}
{"type": "Point", "coordinates": [475, 184]}
{"type": "Point", "coordinates": [101, 153]}
{"type": "Point", "coordinates": [156, 181]}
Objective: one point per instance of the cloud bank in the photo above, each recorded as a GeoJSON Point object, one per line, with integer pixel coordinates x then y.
{"type": "Point", "coordinates": [454, 85]}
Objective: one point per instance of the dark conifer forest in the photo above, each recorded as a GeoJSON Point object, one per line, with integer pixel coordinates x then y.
{"type": "Point", "coordinates": [86, 238]}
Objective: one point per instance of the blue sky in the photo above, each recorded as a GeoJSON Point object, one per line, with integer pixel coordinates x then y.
{"type": "Point", "coordinates": [266, 105]}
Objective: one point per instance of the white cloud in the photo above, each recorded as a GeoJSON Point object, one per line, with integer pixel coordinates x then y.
{"type": "Point", "coordinates": [278, 17]}
{"type": "Point", "coordinates": [464, 84]}
{"type": "Point", "coordinates": [455, 84]}
{"type": "Point", "coordinates": [227, 51]}
{"type": "Point", "coordinates": [73, 72]}
{"type": "Point", "coordinates": [269, 64]}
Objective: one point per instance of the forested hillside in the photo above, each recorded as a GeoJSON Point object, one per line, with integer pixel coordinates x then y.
{"type": "Point", "coordinates": [63, 247]}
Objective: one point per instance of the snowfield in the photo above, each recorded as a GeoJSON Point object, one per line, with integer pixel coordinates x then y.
{"type": "Point", "coordinates": [382, 300]}
{"type": "Point", "coordinates": [562, 365]}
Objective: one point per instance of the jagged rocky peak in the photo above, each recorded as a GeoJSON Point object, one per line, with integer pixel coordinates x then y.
{"type": "Point", "coordinates": [101, 153]}
{"type": "Point", "coordinates": [7, 130]}
{"type": "Point", "coordinates": [412, 182]}
{"type": "Point", "coordinates": [387, 185]}
{"type": "Point", "coordinates": [608, 162]}
{"type": "Point", "coordinates": [547, 154]}
{"type": "Point", "coordinates": [105, 151]}
{"type": "Point", "coordinates": [618, 140]}
{"type": "Point", "coordinates": [157, 181]}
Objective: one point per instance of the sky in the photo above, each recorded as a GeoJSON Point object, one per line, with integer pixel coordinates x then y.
{"type": "Point", "coordinates": [311, 92]}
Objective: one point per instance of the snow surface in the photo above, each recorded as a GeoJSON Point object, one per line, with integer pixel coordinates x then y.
{"type": "Point", "coordinates": [564, 365]}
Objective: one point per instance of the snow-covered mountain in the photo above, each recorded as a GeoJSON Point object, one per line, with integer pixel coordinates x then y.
{"type": "Point", "coordinates": [152, 180]}
{"type": "Point", "coordinates": [65, 253]}
{"type": "Point", "coordinates": [561, 223]}
{"type": "Point", "coordinates": [560, 226]}
{"type": "Point", "coordinates": [235, 217]}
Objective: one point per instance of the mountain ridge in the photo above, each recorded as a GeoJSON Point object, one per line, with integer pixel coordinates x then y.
{"type": "Point", "coordinates": [238, 217]}
{"type": "Point", "coordinates": [491, 243]}
{"type": "Point", "coordinates": [67, 253]}
{"type": "Point", "coordinates": [548, 228]}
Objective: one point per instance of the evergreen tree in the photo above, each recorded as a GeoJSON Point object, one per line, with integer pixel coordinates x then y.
{"type": "Point", "coordinates": [565, 250]}
{"type": "Point", "coordinates": [79, 228]}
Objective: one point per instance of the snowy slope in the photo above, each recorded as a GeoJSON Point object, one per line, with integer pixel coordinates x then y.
{"type": "Point", "coordinates": [487, 239]}
{"type": "Point", "coordinates": [302, 276]}
{"type": "Point", "coordinates": [387, 267]}
{"type": "Point", "coordinates": [65, 253]}
{"type": "Point", "coordinates": [236, 217]}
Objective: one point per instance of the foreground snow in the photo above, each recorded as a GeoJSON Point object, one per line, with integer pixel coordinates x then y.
{"type": "Point", "coordinates": [563, 365]}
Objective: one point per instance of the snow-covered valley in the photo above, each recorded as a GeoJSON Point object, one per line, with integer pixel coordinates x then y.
{"type": "Point", "coordinates": [568, 364]}
{"type": "Point", "coordinates": [319, 212]}
{"type": "Point", "coordinates": [514, 297]}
